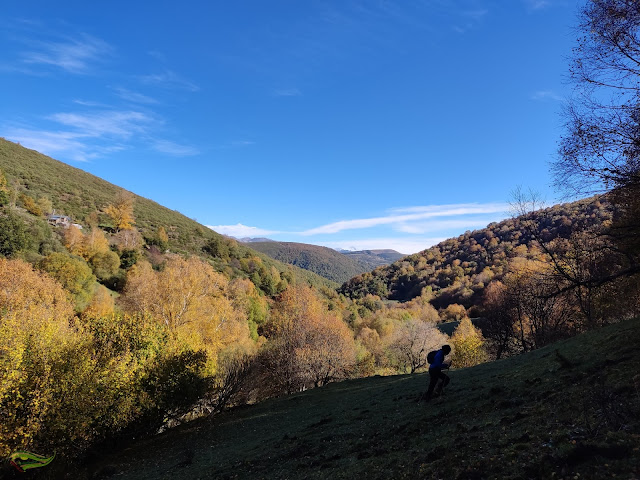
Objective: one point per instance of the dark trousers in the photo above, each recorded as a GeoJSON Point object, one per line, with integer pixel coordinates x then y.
{"type": "Point", "coordinates": [436, 374]}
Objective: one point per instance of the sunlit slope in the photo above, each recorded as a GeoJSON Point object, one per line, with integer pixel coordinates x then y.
{"type": "Point", "coordinates": [77, 193]}
{"type": "Point", "coordinates": [569, 408]}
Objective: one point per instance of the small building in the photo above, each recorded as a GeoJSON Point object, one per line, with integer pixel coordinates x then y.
{"type": "Point", "coordinates": [59, 220]}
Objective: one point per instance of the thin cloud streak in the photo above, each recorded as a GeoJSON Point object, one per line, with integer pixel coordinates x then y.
{"type": "Point", "coordinates": [420, 214]}
{"type": "Point", "coordinates": [542, 95]}
{"type": "Point", "coordinates": [439, 226]}
{"type": "Point", "coordinates": [406, 246]}
{"type": "Point", "coordinates": [70, 144]}
{"type": "Point", "coordinates": [134, 97]}
{"type": "Point", "coordinates": [72, 55]}
{"type": "Point", "coordinates": [174, 149]}
{"type": "Point", "coordinates": [122, 124]}
{"type": "Point", "coordinates": [169, 79]}
{"type": "Point", "coordinates": [240, 231]}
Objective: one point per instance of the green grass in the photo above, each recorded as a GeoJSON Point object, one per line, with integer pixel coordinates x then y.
{"type": "Point", "coordinates": [569, 410]}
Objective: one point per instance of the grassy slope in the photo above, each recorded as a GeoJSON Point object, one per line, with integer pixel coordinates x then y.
{"type": "Point", "coordinates": [78, 193]}
{"type": "Point", "coordinates": [524, 417]}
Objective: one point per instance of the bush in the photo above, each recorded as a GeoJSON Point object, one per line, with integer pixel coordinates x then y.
{"type": "Point", "coordinates": [74, 275]}
{"type": "Point", "coordinates": [13, 234]}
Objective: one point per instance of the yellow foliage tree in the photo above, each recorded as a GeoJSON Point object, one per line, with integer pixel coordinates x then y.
{"type": "Point", "coordinates": [191, 299]}
{"type": "Point", "coordinates": [121, 211]}
{"type": "Point", "coordinates": [468, 345]}
{"type": "Point", "coordinates": [74, 241]}
{"type": "Point", "coordinates": [101, 305]}
{"type": "Point", "coordinates": [34, 324]}
{"type": "Point", "coordinates": [31, 205]}
{"type": "Point", "coordinates": [24, 290]}
{"type": "Point", "coordinates": [95, 242]}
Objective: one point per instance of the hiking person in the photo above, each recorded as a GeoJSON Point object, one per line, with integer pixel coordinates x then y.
{"type": "Point", "coordinates": [436, 365]}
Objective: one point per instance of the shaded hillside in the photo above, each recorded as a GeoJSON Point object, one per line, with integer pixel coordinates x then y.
{"type": "Point", "coordinates": [458, 269]}
{"type": "Point", "coordinates": [371, 259]}
{"type": "Point", "coordinates": [565, 410]}
{"type": "Point", "coordinates": [326, 262]}
{"type": "Point", "coordinates": [79, 194]}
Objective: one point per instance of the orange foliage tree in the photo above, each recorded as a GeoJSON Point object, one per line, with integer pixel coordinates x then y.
{"type": "Point", "coordinates": [308, 344]}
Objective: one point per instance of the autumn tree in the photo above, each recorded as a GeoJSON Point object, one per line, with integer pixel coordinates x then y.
{"type": "Point", "coordinates": [307, 344]}
{"type": "Point", "coordinates": [102, 304]}
{"type": "Point", "coordinates": [74, 275]}
{"type": "Point", "coordinates": [31, 294]}
{"type": "Point", "coordinates": [468, 345]}
{"type": "Point", "coordinates": [600, 151]}
{"type": "Point", "coordinates": [247, 298]}
{"type": "Point", "coordinates": [121, 211]}
{"type": "Point", "coordinates": [127, 240]}
{"type": "Point", "coordinates": [327, 351]}
{"type": "Point", "coordinates": [190, 299]}
{"type": "Point", "coordinates": [500, 317]}
{"type": "Point", "coordinates": [453, 312]}
{"type": "Point", "coordinates": [412, 341]}
{"type": "Point", "coordinates": [31, 205]}
{"type": "Point", "coordinates": [94, 248]}
{"type": "Point", "coordinates": [74, 240]}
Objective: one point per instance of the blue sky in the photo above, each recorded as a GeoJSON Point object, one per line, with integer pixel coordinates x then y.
{"type": "Point", "coordinates": [346, 123]}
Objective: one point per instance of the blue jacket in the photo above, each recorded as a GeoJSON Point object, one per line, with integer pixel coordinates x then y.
{"type": "Point", "coordinates": [438, 361]}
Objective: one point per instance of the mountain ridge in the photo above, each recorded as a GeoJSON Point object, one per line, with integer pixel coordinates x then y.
{"type": "Point", "coordinates": [324, 261]}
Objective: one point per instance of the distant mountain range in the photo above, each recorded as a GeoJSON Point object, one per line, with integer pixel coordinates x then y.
{"type": "Point", "coordinates": [337, 266]}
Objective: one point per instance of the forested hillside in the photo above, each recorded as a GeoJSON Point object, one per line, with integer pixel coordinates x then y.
{"type": "Point", "coordinates": [326, 262]}
{"type": "Point", "coordinates": [371, 259]}
{"type": "Point", "coordinates": [33, 177]}
{"type": "Point", "coordinates": [458, 269]}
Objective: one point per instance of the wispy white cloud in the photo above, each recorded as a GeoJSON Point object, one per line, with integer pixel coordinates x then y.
{"type": "Point", "coordinates": [169, 79]}
{"type": "Point", "coordinates": [240, 231]}
{"type": "Point", "coordinates": [134, 97]}
{"type": "Point", "coordinates": [533, 5]}
{"type": "Point", "coordinates": [82, 136]}
{"type": "Point", "coordinates": [420, 227]}
{"type": "Point", "coordinates": [406, 245]}
{"type": "Point", "coordinates": [441, 225]}
{"type": "Point", "coordinates": [121, 124]}
{"type": "Point", "coordinates": [544, 95]}
{"type": "Point", "coordinates": [75, 55]}
{"type": "Point", "coordinates": [174, 149]}
{"type": "Point", "coordinates": [72, 145]}
{"type": "Point", "coordinates": [400, 217]}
